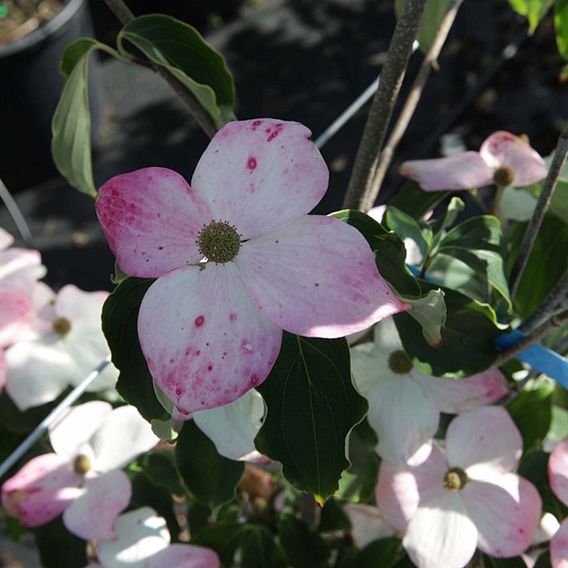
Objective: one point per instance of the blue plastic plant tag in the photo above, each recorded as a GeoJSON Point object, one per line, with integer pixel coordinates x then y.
{"type": "Point", "coordinates": [538, 357]}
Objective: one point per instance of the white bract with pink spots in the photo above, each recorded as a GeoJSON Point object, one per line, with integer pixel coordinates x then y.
{"type": "Point", "coordinates": [405, 403]}
{"type": "Point", "coordinates": [143, 541]}
{"type": "Point", "coordinates": [503, 159]}
{"type": "Point", "coordinates": [83, 478]}
{"type": "Point", "coordinates": [558, 477]}
{"type": "Point", "coordinates": [237, 260]}
{"type": "Point", "coordinates": [464, 498]}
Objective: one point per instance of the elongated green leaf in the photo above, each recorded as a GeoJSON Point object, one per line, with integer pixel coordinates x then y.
{"type": "Point", "coordinates": [259, 548]}
{"type": "Point", "coordinates": [406, 227]}
{"type": "Point", "coordinates": [210, 477]}
{"type": "Point", "coordinates": [430, 312]}
{"type": "Point", "coordinates": [414, 201]}
{"type": "Point", "coordinates": [303, 547]}
{"type": "Point", "coordinates": [561, 23]}
{"type": "Point", "coordinates": [534, 10]}
{"type": "Point", "coordinates": [311, 408]}
{"type": "Point", "coordinates": [71, 125]}
{"type": "Point", "coordinates": [120, 316]}
{"type": "Point", "coordinates": [532, 412]}
{"type": "Point", "coordinates": [478, 242]}
{"type": "Point", "coordinates": [447, 219]}
{"type": "Point", "coordinates": [180, 48]}
{"type": "Point", "coordinates": [467, 337]}
{"type": "Point", "coordinates": [381, 553]}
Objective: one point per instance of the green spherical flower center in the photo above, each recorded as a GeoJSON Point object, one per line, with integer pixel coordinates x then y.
{"type": "Point", "coordinates": [503, 177]}
{"type": "Point", "coordinates": [455, 479]}
{"type": "Point", "coordinates": [81, 464]}
{"type": "Point", "coordinates": [219, 242]}
{"type": "Point", "coordinates": [61, 326]}
{"type": "Point", "coordinates": [400, 363]}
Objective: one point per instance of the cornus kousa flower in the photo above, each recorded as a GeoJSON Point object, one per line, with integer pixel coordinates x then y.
{"type": "Point", "coordinates": [558, 476]}
{"type": "Point", "coordinates": [143, 541]}
{"type": "Point", "coordinates": [211, 330]}
{"type": "Point", "coordinates": [64, 343]}
{"type": "Point", "coordinates": [405, 403]}
{"type": "Point", "coordinates": [464, 498]}
{"type": "Point", "coordinates": [503, 159]}
{"type": "Point", "coordinates": [83, 478]}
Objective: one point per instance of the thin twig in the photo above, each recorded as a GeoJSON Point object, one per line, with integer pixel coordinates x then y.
{"type": "Point", "coordinates": [548, 305]}
{"type": "Point", "coordinates": [415, 94]}
{"type": "Point", "coordinates": [16, 214]}
{"type": "Point", "coordinates": [124, 15]}
{"type": "Point", "coordinates": [548, 327]}
{"type": "Point", "coordinates": [361, 193]}
{"type": "Point", "coordinates": [542, 205]}
{"type": "Point", "coordinates": [52, 417]}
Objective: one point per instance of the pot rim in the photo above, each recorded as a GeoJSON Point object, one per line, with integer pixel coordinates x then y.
{"type": "Point", "coordinates": [41, 34]}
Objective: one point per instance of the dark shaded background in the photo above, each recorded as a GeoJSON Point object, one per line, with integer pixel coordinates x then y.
{"type": "Point", "coordinates": [306, 61]}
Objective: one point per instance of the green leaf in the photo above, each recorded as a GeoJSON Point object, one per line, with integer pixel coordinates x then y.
{"type": "Point", "coordinates": [547, 262]}
{"type": "Point", "coordinates": [180, 48]}
{"type": "Point", "coordinates": [162, 472]}
{"type": "Point", "coordinates": [119, 319]}
{"type": "Point", "coordinates": [561, 24]}
{"type": "Point", "coordinates": [414, 201]}
{"type": "Point", "coordinates": [381, 553]}
{"type": "Point", "coordinates": [430, 312]}
{"type": "Point", "coordinates": [358, 482]}
{"type": "Point", "coordinates": [559, 423]}
{"type": "Point", "coordinates": [259, 549]}
{"type": "Point", "coordinates": [222, 538]}
{"type": "Point", "coordinates": [312, 406]}
{"type": "Point", "coordinates": [71, 125]}
{"type": "Point", "coordinates": [211, 478]}
{"type": "Point", "coordinates": [58, 547]}
{"type": "Point", "coordinates": [333, 517]}
{"type": "Point", "coordinates": [431, 20]}
{"type": "Point", "coordinates": [447, 219]}
{"type": "Point", "coordinates": [532, 412]}
{"type": "Point", "coordinates": [534, 10]}
{"type": "Point", "coordinates": [478, 242]}
{"type": "Point", "coordinates": [303, 547]}
{"type": "Point", "coordinates": [491, 562]}
{"type": "Point", "coordinates": [407, 228]}
{"type": "Point", "coordinates": [467, 337]}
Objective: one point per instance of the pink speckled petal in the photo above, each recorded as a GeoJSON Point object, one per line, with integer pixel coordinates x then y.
{"type": "Point", "coordinates": [19, 270]}
{"type": "Point", "coordinates": [15, 315]}
{"type": "Point", "coordinates": [205, 342]}
{"type": "Point", "coordinates": [317, 277]}
{"type": "Point", "coordinates": [440, 534]}
{"type": "Point", "coordinates": [76, 426]}
{"type": "Point", "coordinates": [466, 170]}
{"type": "Point", "coordinates": [94, 513]}
{"type": "Point", "coordinates": [455, 397]}
{"type": "Point", "coordinates": [184, 555]}
{"type": "Point", "coordinates": [559, 547]}
{"type": "Point", "coordinates": [41, 490]}
{"type": "Point", "coordinates": [122, 436]}
{"type": "Point", "coordinates": [558, 471]}
{"type": "Point", "coordinates": [404, 419]}
{"type": "Point", "coordinates": [151, 219]}
{"type": "Point", "coordinates": [503, 149]}
{"type": "Point", "coordinates": [261, 174]}
{"type": "Point", "coordinates": [401, 489]}
{"type": "Point", "coordinates": [506, 512]}
{"type": "Point", "coordinates": [484, 442]}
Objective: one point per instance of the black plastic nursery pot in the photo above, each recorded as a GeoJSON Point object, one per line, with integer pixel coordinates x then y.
{"type": "Point", "coordinates": [30, 85]}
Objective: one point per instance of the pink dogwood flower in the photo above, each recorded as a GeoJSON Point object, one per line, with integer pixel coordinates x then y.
{"type": "Point", "coordinates": [143, 541]}
{"type": "Point", "coordinates": [464, 498]}
{"type": "Point", "coordinates": [504, 159]}
{"type": "Point", "coordinates": [405, 403]}
{"type": "Point", "coordinates": [211, 330]}
{"type": "Point", "coordinates": [558, 476]}
{"type": "Point", "coordinates": [83, 478]}
{"type": "Point", "coordinates": [61, 345]}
